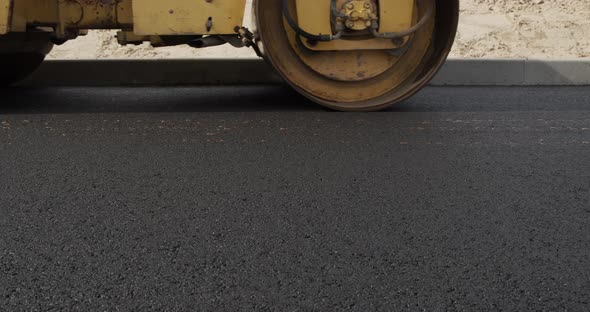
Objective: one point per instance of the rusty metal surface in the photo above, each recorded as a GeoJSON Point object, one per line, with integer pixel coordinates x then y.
{"type": "Point", "coordinates": [185, 17]}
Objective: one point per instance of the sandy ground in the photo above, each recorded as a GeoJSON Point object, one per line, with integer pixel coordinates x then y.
{"type": "Point", "coordinates": [488, 28]}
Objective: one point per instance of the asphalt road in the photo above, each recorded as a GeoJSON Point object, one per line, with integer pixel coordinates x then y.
{"type": "Point", "coordinates": [252, 198]}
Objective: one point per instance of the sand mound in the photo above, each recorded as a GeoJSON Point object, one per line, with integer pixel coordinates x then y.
{"type": "Point", "coordinates": [488, 28]}
{"type": "Point", "coordinates": [524, 29]}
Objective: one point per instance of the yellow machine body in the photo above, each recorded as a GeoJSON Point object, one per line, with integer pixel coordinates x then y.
{"type": "Point", "coordinates": [187, 17]}
{"type": "Point", "coordinates": [4, 16]}
{"type": "Point", "coordinates": [178, 17]}
{"type": "Point", "coordinates": [144, 17]}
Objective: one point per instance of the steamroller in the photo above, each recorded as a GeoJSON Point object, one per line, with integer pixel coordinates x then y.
{"type": "Point", "coordinates": [348, 55]}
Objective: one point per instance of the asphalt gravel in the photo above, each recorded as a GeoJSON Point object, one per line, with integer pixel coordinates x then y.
{"type": "Point", "coordinates": [253, 198]}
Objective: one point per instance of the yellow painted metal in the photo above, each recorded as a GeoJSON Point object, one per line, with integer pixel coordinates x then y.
{"type": "Point", "coordinates": [5, 16]}
{"type": "Point", "coordinates": [89, 14]}
{"type": "Point", "coordinates": [187, 17]}
{"type": "Point", "coordinates": [314, 16]}
{"type": "Point", "coordinates": [352, 45]}
{"type": "Point", "coordinates": [395, 16]}
{"type": "Point", "coordinates": [38, 12]}
{"type": "Point", "coordinates": [151, 17]}
{"type": "Point", "coordinates": [342, 60]}
{"type": "Point", "coordinates": [125, 13]}
{"type": "Point", "coordinates": [71, 14]}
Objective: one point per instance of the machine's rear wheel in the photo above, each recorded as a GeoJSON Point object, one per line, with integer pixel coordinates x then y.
{"type": "Point", "coordinates": [21, 54]}
{"type": "Point", "coordinates": [360, 80]}
{"type": "Point", "coordinates": [17, 66]}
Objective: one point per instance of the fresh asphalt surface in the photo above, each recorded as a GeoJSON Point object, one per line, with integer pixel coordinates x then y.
{"type": "Point", "coordinates": [252, 198]}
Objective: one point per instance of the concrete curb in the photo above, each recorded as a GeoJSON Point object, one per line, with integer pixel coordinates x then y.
{"type": "Point", "coordinates": [456, 72]}
{"type": "Point", "coordinates": [515, 72]}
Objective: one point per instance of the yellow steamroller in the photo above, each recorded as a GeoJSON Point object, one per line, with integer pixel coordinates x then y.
{"type": "Point", "coordinates": [352, 55]}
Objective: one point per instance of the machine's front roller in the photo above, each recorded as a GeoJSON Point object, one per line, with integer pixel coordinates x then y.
{"type": "Point", "coordinates": [361, 58]}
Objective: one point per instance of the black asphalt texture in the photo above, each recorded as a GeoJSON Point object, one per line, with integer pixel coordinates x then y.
{"type": "Point", "coordinates": [254, 199]}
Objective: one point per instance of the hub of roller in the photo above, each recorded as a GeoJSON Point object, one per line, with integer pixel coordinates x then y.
{"type": "Point", "coordinates": [357, 18]}
{"type": "Point", "coordinates": [358, 15]}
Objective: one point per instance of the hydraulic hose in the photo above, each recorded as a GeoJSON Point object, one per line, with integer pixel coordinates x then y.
{"type": "Point", "coordinates": [335, 11]}
{"type": "Point", "coordinates": [302, 32]}
{"type": "Point", "coordinates": [409, 31]}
